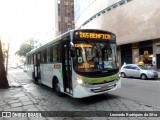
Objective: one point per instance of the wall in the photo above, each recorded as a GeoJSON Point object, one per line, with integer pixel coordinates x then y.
{"type": "Point", "coordinates": [137, 20]}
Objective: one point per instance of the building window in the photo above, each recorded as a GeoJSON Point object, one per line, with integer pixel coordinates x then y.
{"type": "Point", "coordinates": [99, 14]}
{"type": "Point", "coordinates": [103, 11]}
{"type": "Point", "coordinates": [108, 9]}
{"type": "Point", "coordinates": [121, 2]}
{"type": "Point", "coordinates": [114, 6]}
{"type": "Point", "coordinates": [59, 25]}
{"type": "Point", "coordinates": [129, 0]}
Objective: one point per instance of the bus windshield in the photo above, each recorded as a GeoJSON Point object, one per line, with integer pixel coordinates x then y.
{"type": "Point", "coordinates": [95, 56]}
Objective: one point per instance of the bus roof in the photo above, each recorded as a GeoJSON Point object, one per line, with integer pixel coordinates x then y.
{"type": "Point", "coordinates": [60, 37]}
{"type": "Point", "coordinates": [51, 42]}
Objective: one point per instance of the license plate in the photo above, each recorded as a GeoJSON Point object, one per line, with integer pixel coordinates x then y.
{"type": "Point", "coordinates": [104, 88]}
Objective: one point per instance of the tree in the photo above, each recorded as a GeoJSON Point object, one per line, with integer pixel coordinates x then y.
{"type": "Point", "coordinates": [25, 47]}
{"type": "Point", "coordinates": [3, 78]}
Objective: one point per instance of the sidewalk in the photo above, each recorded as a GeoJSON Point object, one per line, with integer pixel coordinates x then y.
{"type": "Point", "coordinates": [16, 98]}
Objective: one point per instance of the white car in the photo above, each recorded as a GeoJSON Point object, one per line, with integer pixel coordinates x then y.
{"type": "Point", "coordinates": [138, 71]}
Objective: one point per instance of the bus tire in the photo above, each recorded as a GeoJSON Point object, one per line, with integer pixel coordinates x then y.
{"type": "Point", "coordinates": [34, 78]}
{"type": "Point", "coordinates": [39, 81]}
{"type": "Point", "coordinates": [56, 88]}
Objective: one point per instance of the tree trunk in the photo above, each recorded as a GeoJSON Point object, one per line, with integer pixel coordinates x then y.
{"type": "Point", "coordinates": [3, 78]}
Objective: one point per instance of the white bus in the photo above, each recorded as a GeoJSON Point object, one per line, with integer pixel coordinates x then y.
{"type": "Point", "coordinates": [79, 63]}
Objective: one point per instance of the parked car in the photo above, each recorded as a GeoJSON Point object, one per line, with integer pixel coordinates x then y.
{"type": "Point", "coordinates": [138, 71]}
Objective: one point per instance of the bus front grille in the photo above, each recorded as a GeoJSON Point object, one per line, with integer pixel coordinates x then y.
{"type": "Point", "coordinates": [103, 88]}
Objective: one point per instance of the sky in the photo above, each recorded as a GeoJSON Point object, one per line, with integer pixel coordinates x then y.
{"type": "Point", "coordinates": [21, 20]}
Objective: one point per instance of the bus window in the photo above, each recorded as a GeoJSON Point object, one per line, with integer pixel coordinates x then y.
{"type": "Point", "coordinates": [48, 55]}
{"type": "Point", "coordinates": [31, 59]}
{"type": "Point", "coordinates": [42, 56]}
{"type": "Point", "coordinates": [45, 56]}
{"type": "Point", "coordinates": [51, 54]}
{"type": "Point", "coordinates": [58, 53]}
{"type": "Point", "coordinates": [55, 53]}
{"type": "Point", "coordinates": [39, 57]}
{"type": "Point", "coordinates": [94, 56]}
{"type": "Point", "coordinates": [28, 59]}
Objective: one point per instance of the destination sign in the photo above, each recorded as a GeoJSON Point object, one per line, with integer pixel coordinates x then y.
{"type": "Point", "coordinates": [94, 35]}
{"type": "Point", "coordinates": [86, 65]}
{"type": "Point", "coordinates": [83, 45]}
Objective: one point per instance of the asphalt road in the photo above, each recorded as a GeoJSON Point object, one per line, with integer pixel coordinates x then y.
{"type": "Point", "coordinates": [141, 91]}
{"type": "Point", "coordinates": [146, 92]}
{"type": "Point", "coordinates": [135, 95]}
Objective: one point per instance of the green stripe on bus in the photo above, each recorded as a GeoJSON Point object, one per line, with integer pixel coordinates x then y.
{"type": "Point", "coordinates": [100, 79]}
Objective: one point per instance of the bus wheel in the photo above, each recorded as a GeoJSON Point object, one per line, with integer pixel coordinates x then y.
{"type": "Point", "coordinates": [57, 89]}
{"type": "Point", "coordinates": [36, 80]}
{"type": "Point", "coordinates": [39, 81]}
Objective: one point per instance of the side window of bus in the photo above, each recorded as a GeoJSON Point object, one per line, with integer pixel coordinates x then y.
{"type": "Point", "coordinates": [28, 60]}
{"type": "Point", "coordinates": [48, 55]}
{"type": "Point", "coordinates": [34, 59]}
{"type": "Point", "coordinates": [42, 56]}
{"type": "Point", "coordinates": [45, 56]}
{"type": "Point", "coordinates": [58, 53]}
{"type": "Point", "coordinates": [31, 59]}
{"type": "Point", "coordinates": [55, 53]}
{"type": "Point", "coordinates": [51, 54]}
{"type": "Point", "coordinates": [39, 57]}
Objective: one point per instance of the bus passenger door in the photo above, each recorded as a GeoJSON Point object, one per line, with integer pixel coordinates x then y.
{"type": "Point", "coordinates": [67, 69]}
{"type": "Point", "coordinates": [37, 75]}
{"type": "Point", "coordinates": [38, 66]}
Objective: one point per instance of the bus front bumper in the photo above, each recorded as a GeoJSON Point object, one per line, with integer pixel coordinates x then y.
{"type": "Point", "coordinates": [81, 91]}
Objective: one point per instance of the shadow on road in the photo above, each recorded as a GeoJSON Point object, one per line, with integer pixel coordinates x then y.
{"type": "Point", "coordinates": [98, 98]}
{"type": "Point", "coordinates": [87, 100]}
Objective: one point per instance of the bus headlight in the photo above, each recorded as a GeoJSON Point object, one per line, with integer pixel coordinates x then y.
{"type": "Point", "coordinates": [119, 75]}
{"type": "Point", "coordinates": [79, 81]}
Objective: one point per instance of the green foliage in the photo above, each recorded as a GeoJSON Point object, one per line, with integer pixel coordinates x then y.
{"type": "Point", "coordinates": [25, 47]}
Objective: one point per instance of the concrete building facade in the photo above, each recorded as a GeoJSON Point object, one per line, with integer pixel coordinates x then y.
{"type": "Point", "coordinates": [135, 23]}
{"type": "Point", "coordinates": [65, 16]}
{"type": "Point", "coordinates": [60, 18]}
